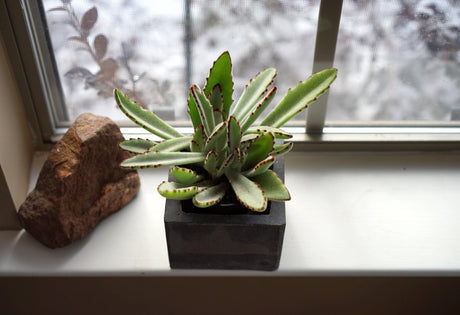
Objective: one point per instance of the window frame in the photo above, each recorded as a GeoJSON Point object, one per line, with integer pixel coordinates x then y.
{"type": "Point", "coordinates": [316, 134]}
{"type": "Point", "coordinates": [20, 52]}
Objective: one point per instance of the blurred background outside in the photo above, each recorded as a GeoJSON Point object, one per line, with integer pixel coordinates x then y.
{"type": "Point", "coordinates": [397, 60]}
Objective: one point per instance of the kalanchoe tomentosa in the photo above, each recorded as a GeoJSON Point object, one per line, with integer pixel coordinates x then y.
{"type": "Point", "coordinates": [232, 154]}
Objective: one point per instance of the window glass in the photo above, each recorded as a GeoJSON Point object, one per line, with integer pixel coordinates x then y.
{"type": "Point", "coordinates": [139, 46]}
{"type": "Point", "coordinates": [136, 46]}
{"type": "Point", "coordinates": [258, 34]}
{"type": "Point", "coordinates": [398, 60]}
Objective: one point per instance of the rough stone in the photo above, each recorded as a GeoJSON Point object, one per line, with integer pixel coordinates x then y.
{"type": "Point", "coordinates": [80, 183]}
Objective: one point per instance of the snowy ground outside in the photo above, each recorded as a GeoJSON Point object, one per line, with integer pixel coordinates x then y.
{"type": "Point", "coordinates": [397, 60]}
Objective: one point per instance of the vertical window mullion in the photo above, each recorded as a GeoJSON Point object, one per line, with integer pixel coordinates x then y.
{"type": "Point", "coordinates": [326, 41]}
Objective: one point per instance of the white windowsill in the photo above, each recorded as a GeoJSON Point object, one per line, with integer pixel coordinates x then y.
{"type": "Point", "coordinates": [351, 213]}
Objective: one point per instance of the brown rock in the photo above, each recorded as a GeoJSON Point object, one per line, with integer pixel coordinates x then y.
{"type": "Point", "coordinates": [80, 183]}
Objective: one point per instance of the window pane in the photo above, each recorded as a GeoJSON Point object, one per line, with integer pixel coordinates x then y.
{"type": "Point", "coordinates": [139, 46]}
{"type": "Point", "coordinates": [136, 46]}
{"type": "Point", "coordinates": [258, 35]}
{"type": "Point", "coordinates": [397, 60]}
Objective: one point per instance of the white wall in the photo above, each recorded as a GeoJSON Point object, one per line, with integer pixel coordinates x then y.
{"type": "Point", "coordinates": [15, 141]}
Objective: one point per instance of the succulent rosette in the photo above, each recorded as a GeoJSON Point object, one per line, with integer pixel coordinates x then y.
{"type": "Point", "coordinates": [226, 154]}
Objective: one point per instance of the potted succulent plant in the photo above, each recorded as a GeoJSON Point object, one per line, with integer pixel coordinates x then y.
{"type": "Point", "coordinates": [225, 206]}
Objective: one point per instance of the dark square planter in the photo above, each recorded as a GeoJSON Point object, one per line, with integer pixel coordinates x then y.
{"type": "Point", "coordinates": [208, 239]}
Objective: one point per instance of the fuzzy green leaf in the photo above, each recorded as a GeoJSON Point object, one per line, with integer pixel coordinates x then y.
{"type": "Point", "coordinates": [217, 133]}
{"type": "Point", "coordinates": [198, 140]}
{"type": "Point", "coordinates": [204, 108]}
{"type": "Point", "coordinates": [193, 111]}
{"type": "Point", "coordinates": [272, 186]}
{"type": "Point", "coordinates": [221, 73]}
{"type": "Point", "coordinates": [247, 140]}
{"type": "Point", "coordinates": [247, 192]}
{"type": "Point", "coordinates": [260, 167]}
{"type": "Point", "coordinates": [210, 163]}
{"type": "Point", "coordinates": [221, 144]}
{"type": "Point", "coordinates": [259, 150]}
{"type": "Point", "coordinates": [185, 176]}
{"type": "Point", "coordinates": [194, 146]}
{"type": "Point", "coordinates": [278, 133]}
{"type": "Point", "coordinates": [218, 118]}
{"type": "Point", "coordinates": [298, 98]}
{"type": "Point", "coordinates": [157, 159]}
{"type": "Point", "coordinates": [250, 137]}
{"type": "Point", "coordinates": [172, 145]}
{"type": "Point", "coordinates": [233, 133]}
{"type": "Point", "coordinates": [216, 98]}
{"type": "Point", "coordinates": [282, 149]}
{"type": "Point", "coordinates": [257, 110]}
{"type": "Point", "coordinates": [137, 145]}
{"type": "Point", "coordinates": [210, 196]}
{"type": "Point", "coordinates": [225, 165]}
{"type": "Point", "coordinates": [253, 91]}
{"type": "Point", "coordinates": [239, 159]}
{"type": "Point", "coordinates": [173, 190]}
{"type": "Point", "coordinates": [145, 118]}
